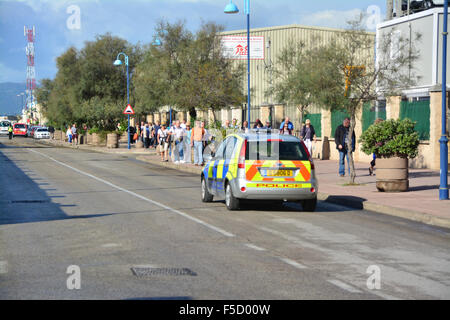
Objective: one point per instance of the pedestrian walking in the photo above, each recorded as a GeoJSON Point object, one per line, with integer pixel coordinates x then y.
{"type": "Point", "coordinates": [156, 128]}
{"type": "Point", "coordinates": [51, 130]}
{"type": "Point", "coordinates": [177, 133]}
{"type": "Point", "coordinates": [10, 132]}
{"type": "Point", "coordinates": [341, 139]}
{"type": "Point", "coordinates": [146, 133]}
{"type": "Point", "coordinates": [197, 135]}
{"type": "Point", "coordinates": [258, 124]}
{"type": "Point", "coordinates": [308, 134]}
{"type": "Point", "coordinates": [74, 134]}
{"type": "Point", "coordinates": [245, 126]}
{"type": "Point", "coordinates": [374, 157]}
{"type": "Point", "coordinates": [162, 138]}
{"type": "Point", "coordinates": [268, 125]}
{"type": "Point", "coordinates": [187, 144]}
{"type": "Point", "coordinates": [290, 124]}
{"type": "Point", "coordinates": [285, 129]}
{"type": "Point", "coordinates": [69, 134]}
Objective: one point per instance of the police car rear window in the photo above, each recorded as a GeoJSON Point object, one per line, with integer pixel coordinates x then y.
{"type": "Point", "coordinates": [275, 150]}
{"type": "Point", "coordinates": [20, 126]}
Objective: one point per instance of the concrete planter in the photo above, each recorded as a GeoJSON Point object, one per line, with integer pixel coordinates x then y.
{"type": "Point", "coordinates": [112, 140]}
{"type": "Point", "coordinates": [392, 174]}
{"type": "Point", "coordinates": [88, 138]}
{"type": "Point", "coordinates": [124, 138]}
{"type": "Point", "coordinates": [97, 140]}
{"type": "Point", "coordinates": [139, 144]}
{"type": "Point", "coordinates": [57, 135]}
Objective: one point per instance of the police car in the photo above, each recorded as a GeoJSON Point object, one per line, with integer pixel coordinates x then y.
{"type": "Point", "coordinates": [260, 165]}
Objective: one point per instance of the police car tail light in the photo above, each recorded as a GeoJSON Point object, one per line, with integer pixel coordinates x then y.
{"type": "Point", "coordinates": [312, 163]}
{"type": "Point", "coordinates": [243, 189]}
{"type": "Point", "coordinates": [241, 160]}
{"type": "Point", "coordinates": [313, 190]}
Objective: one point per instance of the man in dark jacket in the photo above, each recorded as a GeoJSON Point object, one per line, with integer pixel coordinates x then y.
{"type": "Point", "coordinates": [341, 139]}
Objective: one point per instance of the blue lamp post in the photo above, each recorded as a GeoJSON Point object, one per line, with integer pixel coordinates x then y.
{"type": "Point", "coordinates": [118, 62]}
{"type": "Point", "coordinates": [443, 189]}
{"type": "Point", "coordinates": [231, 8]}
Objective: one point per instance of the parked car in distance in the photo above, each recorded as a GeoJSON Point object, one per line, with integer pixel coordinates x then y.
{"type": "Point", "coordinates": [20, 129]}
{"type": "Point", "coordinates": [30, 130]}
{"type": "Point", "coordinates": [41, 133]}
{"type": "Point", "coordinates": [4, 125]}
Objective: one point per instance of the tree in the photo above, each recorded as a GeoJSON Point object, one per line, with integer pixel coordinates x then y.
{"type": "Point", "coordinates": [188, 71]}
{"type": "Point", "coordinates": [88, 88]}
{"type": "Point", "coordinates": [352, 78]}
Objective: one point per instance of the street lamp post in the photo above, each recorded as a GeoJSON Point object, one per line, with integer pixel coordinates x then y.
{"type": "Point", "coordinates": [231, 8]}
{"type": "Point", "coordinates": [443, 189]}
{"type": "Point", "coordinates": [118, 62]}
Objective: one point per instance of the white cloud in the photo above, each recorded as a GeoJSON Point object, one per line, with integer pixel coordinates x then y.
{"type": "Point", "coordinates": [330, 18]}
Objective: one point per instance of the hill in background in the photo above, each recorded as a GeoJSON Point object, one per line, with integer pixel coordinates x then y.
{"type": "Point", "coordinates": [9, 102]}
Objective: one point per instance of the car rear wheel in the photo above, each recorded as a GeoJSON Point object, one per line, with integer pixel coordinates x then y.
{"type": "Point", "coordinates": [206, 196]}
{"type": "Point", "coordinates": [309, 205]}
{"type": "Point", "coordinates": [231, 202]}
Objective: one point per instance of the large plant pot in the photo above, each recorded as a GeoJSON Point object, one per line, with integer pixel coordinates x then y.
{"type": "Point", "coordinates": [97, 140]}
{"type": "Point", "coordinates": [112, 140]}
{"type": "Point", "coordinates": [124, 138]}
{"type": "Point", "coordinates": [57, 135]}
{"type": "Point", "coordinates": [88, 138]}
{"type": "Point", "coordinates": [392, 174]}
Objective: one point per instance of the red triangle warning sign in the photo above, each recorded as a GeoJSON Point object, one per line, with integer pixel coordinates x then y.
{"type": "Point", "coordinates": [128, 110]}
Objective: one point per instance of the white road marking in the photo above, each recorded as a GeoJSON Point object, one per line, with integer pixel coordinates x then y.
{"type": "Point", "coordinates": [293, 263]}
{"type": "Point", "coordinates": [3, 267]}
{"type": "Point", "coordinates": [111, 245]}
{"type": "Point", "coordinates": [252, 246]}
{"type": "Point", "coordinates": [185, 215]}
{"type": "Point", "coordinates": [344, 286]}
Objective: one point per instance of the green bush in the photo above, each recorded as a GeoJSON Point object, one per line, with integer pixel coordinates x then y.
{"type": "Point", "coordinates": [391, 138]}
{"type": "Point", "coordinates": [94, 130]}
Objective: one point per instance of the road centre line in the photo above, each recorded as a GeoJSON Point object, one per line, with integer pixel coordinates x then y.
{"type": "Point", "coordinates": [185, 215]}
{"type": "Point", "coordinates": [293, 263]}
{"type": "Point", "coordinates": [344, 286]}
{"type": "Point", "coordinates": [252, 246]}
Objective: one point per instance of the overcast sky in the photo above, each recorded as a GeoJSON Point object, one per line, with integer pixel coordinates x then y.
{"type": "Point", "coordinates": [59, 26]}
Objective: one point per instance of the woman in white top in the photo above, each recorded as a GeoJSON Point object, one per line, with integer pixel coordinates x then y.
{"type": "Point", "coordinates": [163, 137]}
{"type": "Point", "coordinates": [69, 134]}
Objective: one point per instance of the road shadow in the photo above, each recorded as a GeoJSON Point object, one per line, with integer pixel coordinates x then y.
{"type": "Point", "coordinates": [22, 200]}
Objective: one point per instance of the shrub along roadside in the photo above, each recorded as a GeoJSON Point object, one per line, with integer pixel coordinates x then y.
{"type": "Point", "coordinates": [391, 138]}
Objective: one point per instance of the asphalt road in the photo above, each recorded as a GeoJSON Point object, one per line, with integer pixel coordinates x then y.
{"type": "Point", "coordinates": [107, 214]}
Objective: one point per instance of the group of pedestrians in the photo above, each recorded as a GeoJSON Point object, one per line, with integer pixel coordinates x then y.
{"type": "Point", "coordinates": [177, 141]}
{"type": "Point", "coordinates": [72, 134]}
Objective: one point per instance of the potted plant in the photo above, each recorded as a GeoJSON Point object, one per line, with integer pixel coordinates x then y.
{"type": "Point", "coordinates": [393, 142]}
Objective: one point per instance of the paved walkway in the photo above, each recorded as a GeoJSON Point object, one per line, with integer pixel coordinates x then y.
{"type": "Point", "coordinates": [421, 203]}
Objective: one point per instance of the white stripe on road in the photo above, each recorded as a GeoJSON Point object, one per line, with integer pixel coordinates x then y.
{"type": "Point", "coordinates": [293, 263]}
{"type": "Point", "coordinates": [205, 224]}
{"type": "Point", "coordinates": [252, 246]}
{"type": "Point", "coordinates": [344, 286]}
{"type": "Point", "coordinates": [3, 267]}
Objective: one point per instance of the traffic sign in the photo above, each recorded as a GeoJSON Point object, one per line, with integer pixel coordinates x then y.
{"type": "Point", "coordinates": [128, 110]}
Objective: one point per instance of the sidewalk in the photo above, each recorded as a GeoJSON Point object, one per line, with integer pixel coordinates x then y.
{"type": "Point", "coordinates": [421, 203]}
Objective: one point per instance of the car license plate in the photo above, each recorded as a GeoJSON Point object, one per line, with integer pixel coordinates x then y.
{"type": "Point", "coordinates": [277, 173]}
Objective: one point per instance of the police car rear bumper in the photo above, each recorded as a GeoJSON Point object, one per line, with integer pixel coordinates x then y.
{"type": "Point", "coordinates": [275, 190]}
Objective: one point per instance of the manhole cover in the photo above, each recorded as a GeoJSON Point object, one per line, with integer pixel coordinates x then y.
{"type": "Point", "coordinates": [148, 272]}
